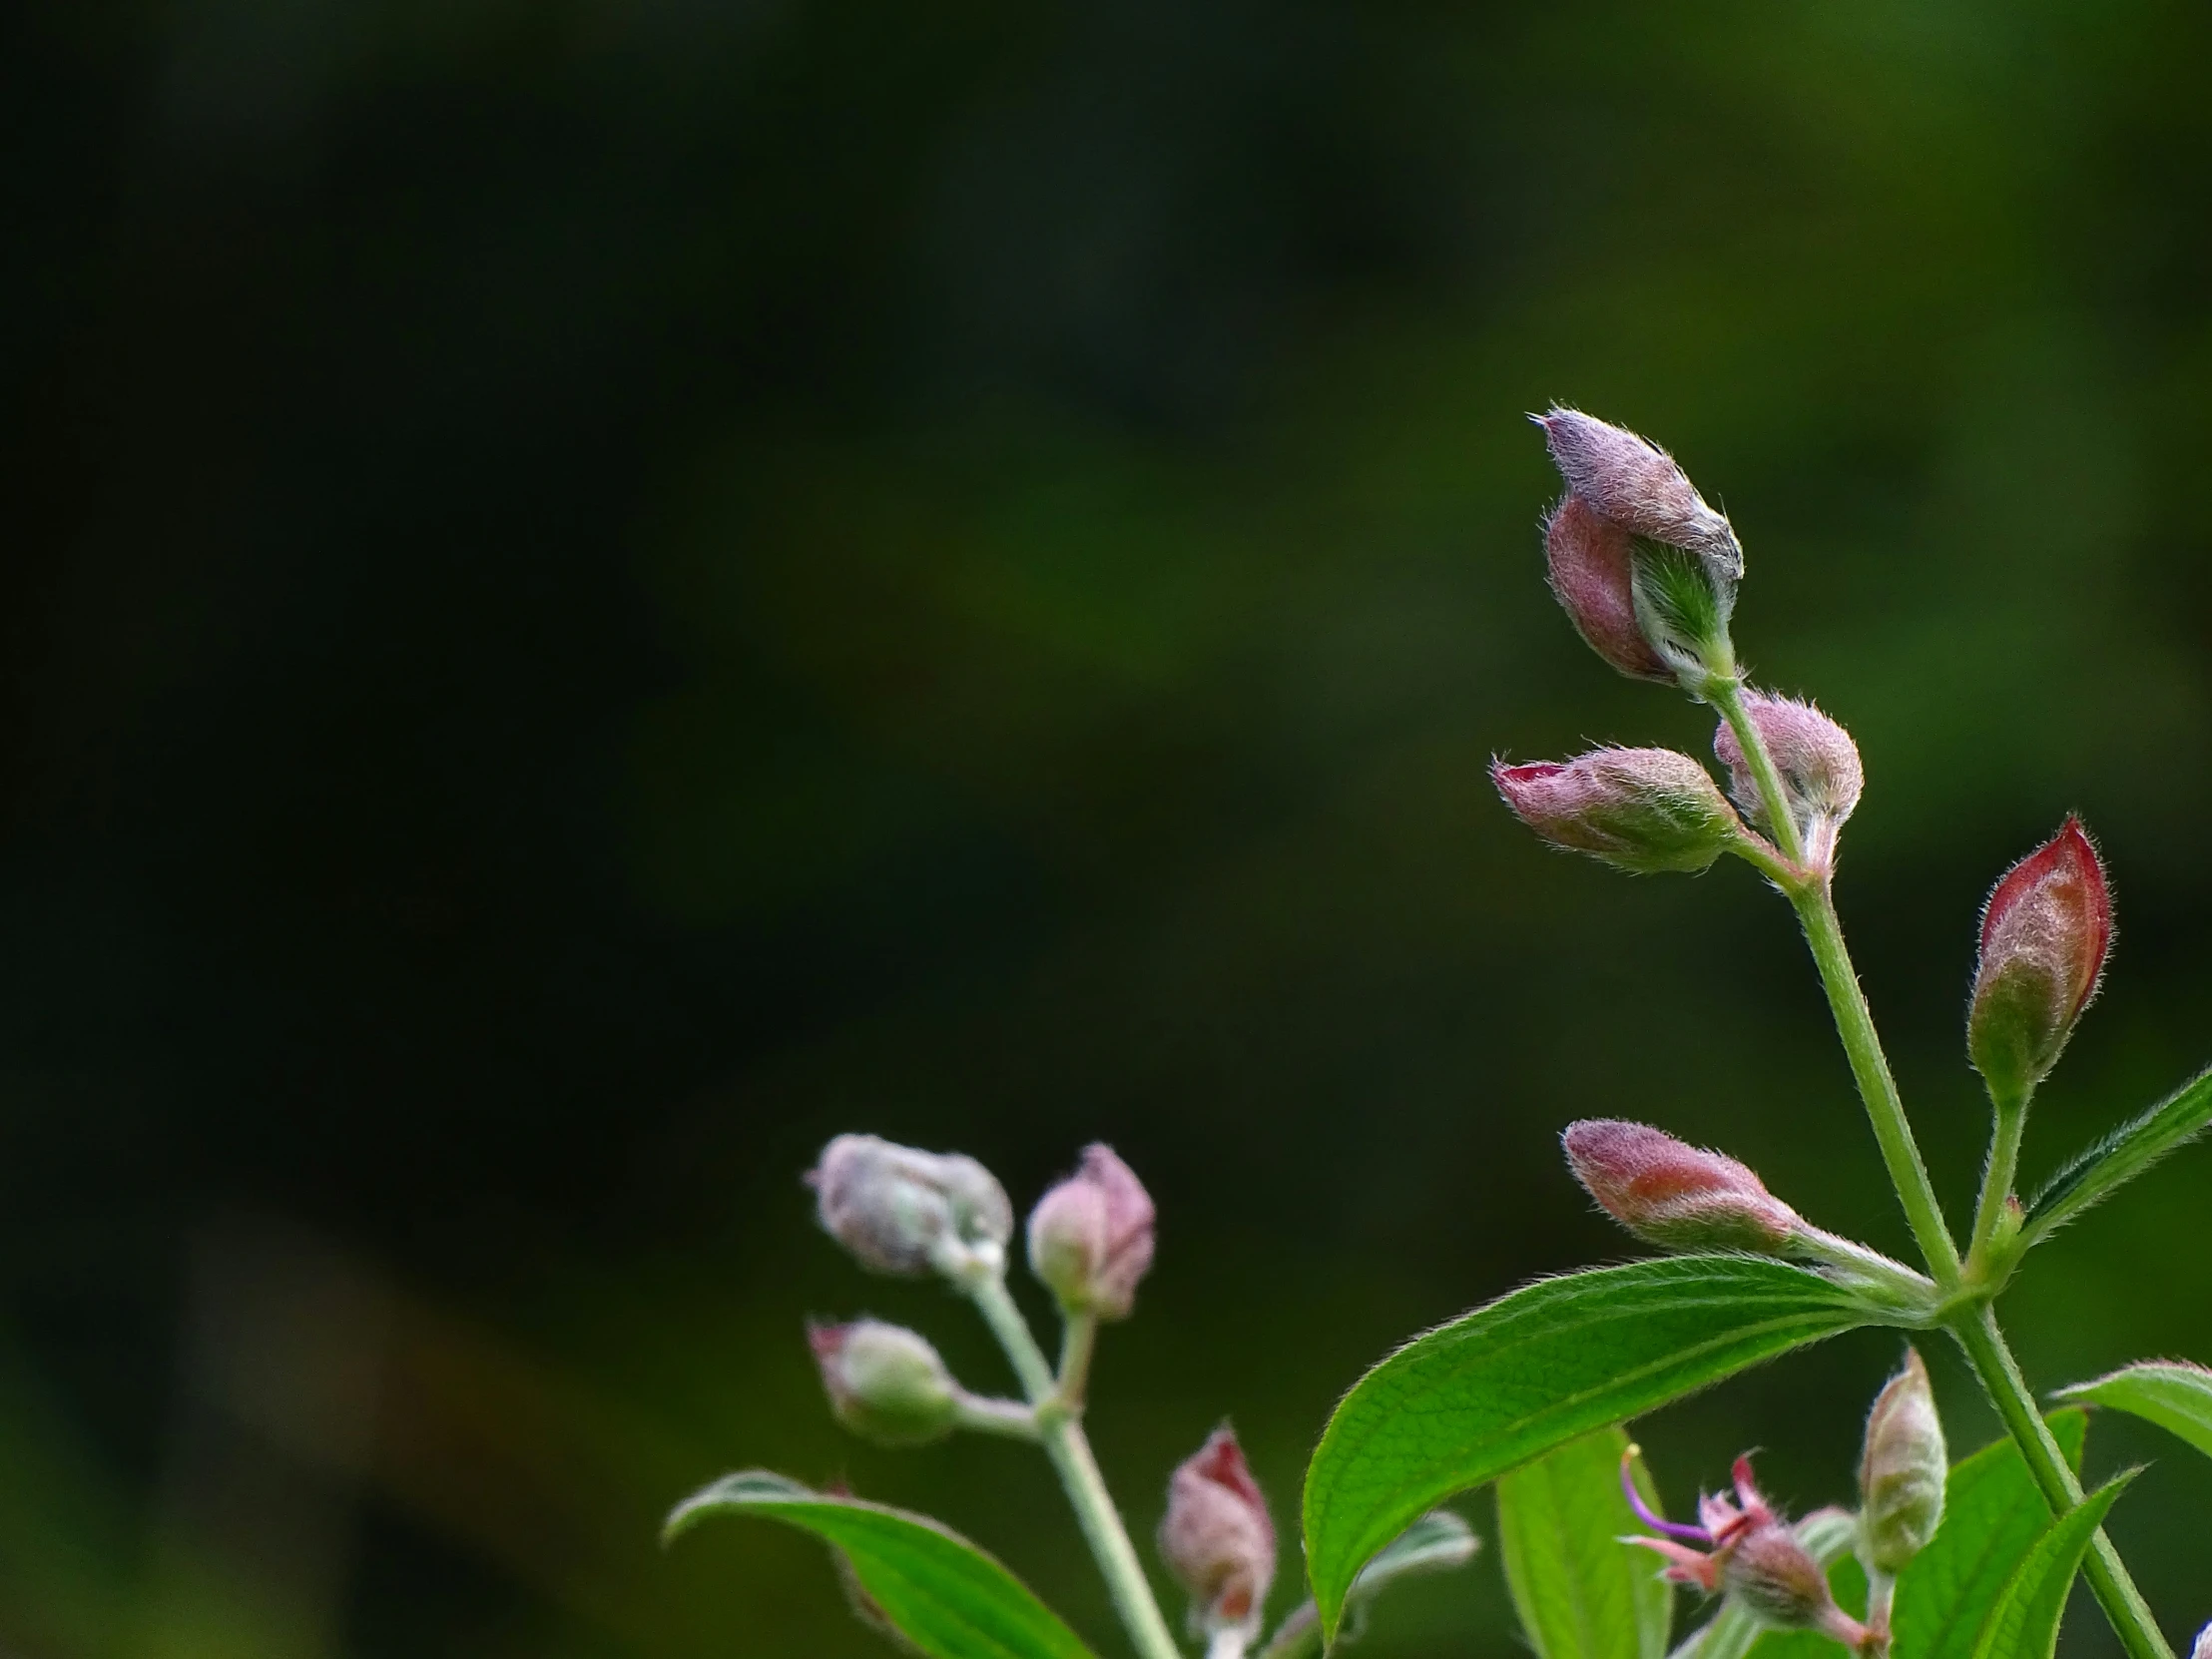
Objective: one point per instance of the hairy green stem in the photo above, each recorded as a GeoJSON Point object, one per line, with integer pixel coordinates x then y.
{"type": "Point", "coordinates": [1997, 1179]}
{"type": "Point", "coordinates": [2129, 1615]}
{"type": "Point", "coordinates": [1070, 1452]}
{"type": "Point", "coordinates": [1726, 695]}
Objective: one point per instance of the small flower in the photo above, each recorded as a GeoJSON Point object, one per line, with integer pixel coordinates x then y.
{"type": "Point", "coordinates": [1592, 573]}
{"type": "Point", "coordinates": [1674, 1195]}
{"type": "Point", "coordinates": [1217, 1539]}
{"type": "Point", "coordinates": [886, 1383]}
{"type": "Point", "coordinates": [1090, 1236]}
{"type": "Point", "coordinates": [2044, 936]}
{"type": "Point", "coordinates": [1750, 1555]}
{"type": "Point", "coordinates": [909, 1213]}
{"type": "Point", "coordinates": [1821, 777]}
{"type": "Point", "coordinates": [1643, 810]}
{"type": "Point", "coordinates": [1901, 1470]}
{"type": "Point", "coordinates": [1638, 485]}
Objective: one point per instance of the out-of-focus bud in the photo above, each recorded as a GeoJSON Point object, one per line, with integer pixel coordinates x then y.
{"type": "Point", "coordinates": [2203, 1649]}
{"type": "Point", "coordinates": [1674, 1195]}
{"type": "Point", "coordinates": [1638, 486]}
{"type": "Point", "coordinates": [1643, 809]}
{"type": "Point", "coordinates": [1090, 1236]}
{"type": "Point", "coordinates": [1821, 777]}
{"type": "Point", "coordinates": [2044, 936]}
{"type": "Point", "coordinates": [1591, 563]}
{"type": "Point", "coordinates": [886, 1383]}
{"type": "Point", "coordinates": [905, 1212]}
{"type": "Point", "coordinates": [1901, 1470]}
{"type": "Point", "coordinates": [1217, 1539]}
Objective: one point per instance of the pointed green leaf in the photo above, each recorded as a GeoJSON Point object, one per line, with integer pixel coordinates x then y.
{"type": "Point", "coordinates": [1556, 1360]}
{"type": "Point", "coordinates": [1828, 1536]}
{"type": "Point", "coordinates": [2024, 1622]}
{"type": "Point", "coordinates": [1581, 1593]}
{"type": "Point", "coordinates": [2121, 1156]}
{"type": "Point", "coordinates": [1437, 1542]}
{"type": "Point", "coordinates": [1993, 1514]}
{"type": "Point", "coordinates": [2173, 1393]}
{"type": "Point", "coordinates": [935, 1588]}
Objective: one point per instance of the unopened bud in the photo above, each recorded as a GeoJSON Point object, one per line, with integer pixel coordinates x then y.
{"type": "Point", "coordinates": [1638, 486]}
{"type": "Point", "coordinates": [1090, 1236]}
{"type": "Point", "coordinates": [1901, 1470]}
{"type": "Point", "coordinates": [2203, 1649]}
{"type": "Point", "coordinates": [1821, 777]}
{"type": "Point", "coordinates": [1674, 1195]}
{"type": "Point", "coordinates": [1591, 566]}
{"type": "Point", "coordinates": [1215, 1538]}
{"type": "Point", "coordinates": [1643, 809]}
{"type": "Point", "coordinates": [886, 1383]}
{"type": "Point", "coordinates": [1775, 1578]}
{"type": "Point", "coordinates": [910, 1212]}
{"type": "Point", "coordinates": [2044, 936]}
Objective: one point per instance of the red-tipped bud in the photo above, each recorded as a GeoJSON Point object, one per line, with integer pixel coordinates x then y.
{"type": "Point", "coordinates": [1638, 486]}
{"type": "Point", "coordinates": [1821, 777]}
{"type": "Point", "coordinates": [1675, 1195]}
{"type": "Point", "coordinates": [1643, 809]}
{"type": "Point", "coordinates": [1901, 1470]}
{"type": "Point", "coordinates": [1090, 1238]}
{"type": "Point", "coordinates": [910, 1212]}
{"type": "Point", "coordinates": [2044, 936]}
{"type": "Point", "coordinates": [886, 1383]}
{"type": "Point", "coordinates": [1591, 562]}
{"type": "Point", "coordinates": [1215, 1538]}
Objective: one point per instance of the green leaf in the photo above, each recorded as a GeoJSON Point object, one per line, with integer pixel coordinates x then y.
{"type": "Point", "coordinates": [1437, 1542]}
{"type": "Point", "coordinates": [935, 1588]}
{"type": "Point", "coordinates": [1556, 1360]}
{"type": "Point", "coordinates": [1993, 1514]}
{"type": "Point", "coordinates": [2024, 1622]}
{"type": "Point", "coordinates": [1581, 1593]}
{"type": "Point", "coordinates": [2121, 1156]}
{"type": "Point", "coordinates": [1828, 1536]}
{"type": "Point", "coordinates": [2173, 1393]}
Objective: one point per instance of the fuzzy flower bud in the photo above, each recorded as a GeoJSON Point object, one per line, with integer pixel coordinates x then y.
{"type": "Point", "coordinates": [2203, 1649]}
{"type": "Point", "coordinates": [886, 1383]}
{"type": "Point", "coordinates": [910, 1212]}
{"type": "Point", "coordinates": [1090, 1236]}
{"type": "Point", "coordinates": [1591, 566]}
{"type": "Point", "coordinates": [1674, 1195]}
{"type": "Point", "coordinates": [1901, 1470]}
{"type": "Point", "coordinates": [1215, 1538]}
{"type": "Point", "coordinates": [2044, 936]}
{"type": "Point", "coordinates": [1775, 1578]}
{"type": "Point", "coordinates": [1821, 777]}
{"type": "Point", "coordinates": [1638, 486]}
{"type": "Point", "coordinates": [1643, 809]}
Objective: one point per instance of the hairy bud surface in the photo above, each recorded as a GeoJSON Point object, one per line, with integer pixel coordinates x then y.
{"type": "Point", "coordinates": [1215, 1538]}
{"type": "Point", "coordinates": [1641, 810]}
{"type": "Point", "coordinates": [909, 1213]}
{"type": "Point", "coordinates": [1590, 561]}
{"type": "Point", "coordinates": [1901, 1470]}
{"type": "Point", "coordinates": [1091, 1237]}
{"type": "Point", "coordinates": [1821, 777]}
{"type": "Point", "coordinates": [1674, 1195]}
{"type": "Point", "coordinates": [2044, 936]}
{"type": "Point", "coordinates": [886, 1383]}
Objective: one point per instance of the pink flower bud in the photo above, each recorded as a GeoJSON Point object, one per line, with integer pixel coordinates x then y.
{"type": "Point", "coordinates": [1643, 809]}
{"type": "Point", "coordinates": [1776, 1580]}
{"type": "Point", "coordinates": [909, 1213]}
{"type": "Point", "coordinates": [2203, 1649]}
{"type": "Point", "coordinates": [1638, 486]}
{"type": "Point", "coordinates": [1591, 562]}
{"type": "Point", "coordinates": [1674, 1195]}
{"type": "Point", "coordinates": [1090, 1236]}
{"type": "Point", "coordinates": [1216, 1537]}
{"type": "Point", "coordinates": [1901, 1470]}
{"type": "Point", "coordinates": [1821, 777]}
{"type": "Point", "coordinates": [2044, 936]}
{"type": "Point", "coordinates": [886, 1383]}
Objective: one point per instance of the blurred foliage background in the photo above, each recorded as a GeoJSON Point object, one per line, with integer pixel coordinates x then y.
{"type": "Point", "coordinates": [597, 590]}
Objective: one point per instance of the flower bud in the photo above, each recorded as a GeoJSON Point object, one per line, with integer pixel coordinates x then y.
{"type": "Point", "coordinates": [1643, 809]}
{"type": "Point", "coordinates": [1775, 1578]}
{"type": "Point", "coordinates": [1901, 1470]}
{"type": "Point", "coordinates": [1674, 1195]}
{"type": "Point", "coordinates": [2203, 1649]}
{"type": "Point", "coordinates": [1591, 566]}
{"type": "Point", "coordinates": [1215, 1538]}
{"type": "Point", "coordinates": [1821, 777]}
{"type": "Point", "coordinates": [2044, 935]}
{"type": "Point", "coordinates": [1639, 487]}
{"type": "Point", "coordinates": [1090, 1236]}
{"type": "Point", "coordinates": [905, 1212]}
{"type": "Point", "coordinates": [886, 1383]}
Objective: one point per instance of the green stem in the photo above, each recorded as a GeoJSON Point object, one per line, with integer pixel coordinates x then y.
{"type": "Point", "coordinates": [1726, 694]}
{"type": "Point", "coordinates": [1070, 1452]}
{"type": "Point", "coordinates": [2129, 1615]}
{"type": "Point", "coordinates": [1996, 1178]}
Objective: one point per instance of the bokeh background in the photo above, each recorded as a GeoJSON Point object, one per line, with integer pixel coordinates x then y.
{"type": "Point", "coordinates": [598, 590]}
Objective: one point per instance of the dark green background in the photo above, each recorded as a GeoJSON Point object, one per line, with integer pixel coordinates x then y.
{"type": "Point", "coordinates": [595, 592]}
